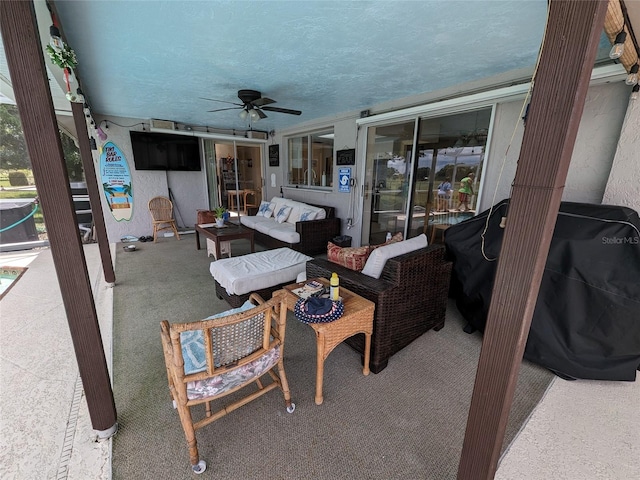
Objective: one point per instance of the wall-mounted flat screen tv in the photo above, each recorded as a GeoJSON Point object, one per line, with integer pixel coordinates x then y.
{"type": "Point", "coordinates": [162, 151]}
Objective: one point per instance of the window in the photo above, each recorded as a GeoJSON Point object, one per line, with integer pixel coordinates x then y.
{"type": "Point", "coordinates": [311, 159]}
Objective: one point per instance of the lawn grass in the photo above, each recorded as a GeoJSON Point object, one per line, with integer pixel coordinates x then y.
{"type": "Point", "coordinates": [18, 194]}
{"type": "Point", "coordinates": [4, 176]}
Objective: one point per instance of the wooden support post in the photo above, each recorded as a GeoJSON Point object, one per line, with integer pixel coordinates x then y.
{"type": "Point", "coordinates": [33, 97]}
{"type": "Point", "coordinates": [561, 84]}
{"type": "Point", "coordinates": [94, 191]}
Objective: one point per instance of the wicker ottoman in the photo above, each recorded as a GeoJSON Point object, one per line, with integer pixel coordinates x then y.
{"type": "Point", "coordinates": [261, 272]}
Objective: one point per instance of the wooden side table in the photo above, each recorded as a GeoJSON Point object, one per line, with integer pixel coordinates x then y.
{"type": "Point", "coordinates": [357, 318]}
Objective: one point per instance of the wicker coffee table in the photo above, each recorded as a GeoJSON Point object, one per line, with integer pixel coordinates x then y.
{"type": "Point", "coordinates": [357, 318]}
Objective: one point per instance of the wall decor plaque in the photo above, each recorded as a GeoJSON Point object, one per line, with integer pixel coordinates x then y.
{"type": "Point", "coordinates": [274, 155]}
{"type": "Point", "coordinates": [346, 157]}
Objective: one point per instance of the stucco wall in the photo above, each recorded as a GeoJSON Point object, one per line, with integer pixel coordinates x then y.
{"type": "Point", "coordinates": [187, 188]}
{"type": "Point", "coordinates": [593, 152]}
{"type": "Point", "coordinates": [587, 179]}
{"type": "Point", "coordinates": [623, 187]}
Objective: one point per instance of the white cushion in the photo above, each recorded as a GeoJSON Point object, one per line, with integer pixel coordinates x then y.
{"type": "Point", "coordinates": [378, 258]}
{"type": "Point", "coordinates": [307, 215]}
{"type": "Point", "coordinates": [282, 214]}
{"type": "Point", "coordinates": [321, 214]}
{"type": "Point", "coordinates": [264, 227]}
{"type": "Point", "coordinates": [285, 232]}
{"type": "Point", "coordinates": [279, 201]}
{"type": "Point", "coordinates": [294, 216]}
{"type": "Point", "coordinates": [255, 271]}
{"type": "Point", "coordinates": [251, 222]}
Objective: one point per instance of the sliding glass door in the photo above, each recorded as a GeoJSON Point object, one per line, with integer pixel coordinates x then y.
{"type": "Point", "coordinates": [407, 162]}
{"type": "Point", "coordinates": [234, 174]}
{"type": "Point", "coordinates": [387, 179]}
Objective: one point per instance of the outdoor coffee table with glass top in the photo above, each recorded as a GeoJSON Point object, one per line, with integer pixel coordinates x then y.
{"type": "Point", "coordinates": [230, 231]}
{"type": "Point", "coordinates": [357, 318]}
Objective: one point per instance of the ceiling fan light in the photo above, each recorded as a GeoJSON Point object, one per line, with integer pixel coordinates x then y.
{"type": "Point", "coordinates": [243, 114]}
{"type": "Point", "coordinates": [254, 115]}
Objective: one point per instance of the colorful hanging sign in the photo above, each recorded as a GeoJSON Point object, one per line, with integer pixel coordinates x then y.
{"type": "Point", "coordinates": [116, 182]}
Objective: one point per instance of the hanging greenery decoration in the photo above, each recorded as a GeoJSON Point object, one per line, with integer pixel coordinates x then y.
{"type": "Point", "coordinates": [65, 57]}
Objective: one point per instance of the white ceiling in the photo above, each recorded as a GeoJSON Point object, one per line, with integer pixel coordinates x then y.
{"type": "Point", "coordinates": [156, 59]}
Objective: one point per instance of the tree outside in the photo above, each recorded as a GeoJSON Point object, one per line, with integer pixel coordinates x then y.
{"type": "Point", "coordinates": [15, 165]}
{"type": "Point", "coordinates": [13, 149]}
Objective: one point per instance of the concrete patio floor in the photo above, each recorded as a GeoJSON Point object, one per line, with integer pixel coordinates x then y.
{"type": "Point", "coordinates": [45, 425]}
{"type": "Point", "coordinates": [581, 429]}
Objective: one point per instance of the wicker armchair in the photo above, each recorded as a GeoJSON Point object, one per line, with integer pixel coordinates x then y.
{"type": "Point", "coordinates": [410, 298]}
{"type": "Point", "coordinates": [161, 209]}
{"type": "Point", "coordinates": [211, 358]}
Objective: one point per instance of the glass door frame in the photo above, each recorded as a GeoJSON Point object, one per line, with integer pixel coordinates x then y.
{"type": "Point", "coordinates": [417, 117]}
{"type": "Point", "coordinates": [210, 143]}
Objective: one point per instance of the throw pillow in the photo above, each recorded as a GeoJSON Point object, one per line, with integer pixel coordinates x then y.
{"type": "Point", "coordinates": [353, 258]}
{"type": "Point", "coordinates": [378, 258]}
{"type": "Point", "coordinates": [265, 209]}
{"type": "Point", "coordinates": [307, 215]}
{"type": "Point", "coordinates": [283, 214]}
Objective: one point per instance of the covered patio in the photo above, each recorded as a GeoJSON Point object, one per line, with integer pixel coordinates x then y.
{"type": "Point", "coordinates": [502, 351]}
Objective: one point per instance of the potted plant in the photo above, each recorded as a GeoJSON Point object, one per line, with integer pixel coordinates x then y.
{"type": "Point", "coordinates": [220, 215]}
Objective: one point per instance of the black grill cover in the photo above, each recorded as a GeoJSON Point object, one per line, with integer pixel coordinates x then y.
{"type": "Point", "coordinates": [586, 323]}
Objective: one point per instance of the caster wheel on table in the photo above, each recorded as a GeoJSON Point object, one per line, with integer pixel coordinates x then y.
{"type": "Point", "coordinates": [200, 467]}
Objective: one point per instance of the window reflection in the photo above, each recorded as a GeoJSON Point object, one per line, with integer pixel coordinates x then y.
{"type": "Point", "coordinates": [403, 196]}
{"type": "Point", "coordinates": [311, 159]}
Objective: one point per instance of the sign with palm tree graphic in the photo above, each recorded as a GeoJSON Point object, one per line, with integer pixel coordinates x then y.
{"type": "Point", "coordinates": [116, 182]}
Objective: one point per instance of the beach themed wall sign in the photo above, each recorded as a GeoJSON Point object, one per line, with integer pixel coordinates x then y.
{"type": "Point", "coordinates": [116, 182]}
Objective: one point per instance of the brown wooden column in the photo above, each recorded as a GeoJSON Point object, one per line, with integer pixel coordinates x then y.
{"type": "Point", "coordinates": [33, 97]}
{"type": "Point", "coordinates": [94, 191]}
{"type": "Point", "coordinates": [561, 84]}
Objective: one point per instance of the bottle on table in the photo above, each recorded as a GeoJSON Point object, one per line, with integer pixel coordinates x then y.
{"type": "Point", "coordinates": [334, 293]}
{"type": "Point", "coordinates": [388, 236]}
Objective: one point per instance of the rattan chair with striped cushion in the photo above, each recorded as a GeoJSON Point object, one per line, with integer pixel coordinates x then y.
{"type": "Point", "coordinates": [209, 359]}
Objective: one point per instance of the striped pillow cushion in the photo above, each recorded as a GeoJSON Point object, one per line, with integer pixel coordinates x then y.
{"type": "Point", "coordinates": [353, 258]}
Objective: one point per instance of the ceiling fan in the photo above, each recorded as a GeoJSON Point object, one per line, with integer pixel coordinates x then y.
{"type": "Point", "coordinates": [252, 106]}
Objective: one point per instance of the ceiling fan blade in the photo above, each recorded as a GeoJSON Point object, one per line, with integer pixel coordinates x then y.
{"type": "Point", "coordinates": [222, 109]}
{"type": "Point", "coordinates": [261, 114]}
{"type": "Point", "coordinates": [262, 101]}
{"type": "Point", "coordinates": [283, 110]}
{"type": "Point", "coordinates": [221, 101]}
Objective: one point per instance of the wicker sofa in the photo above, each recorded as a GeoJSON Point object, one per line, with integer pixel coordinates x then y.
{"type": "Point", "coordinates": [410, 298]}
{"type": "Point", "coordinates": [313, 234]}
